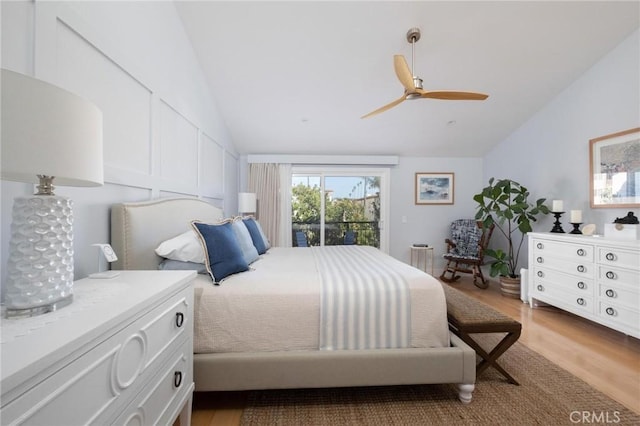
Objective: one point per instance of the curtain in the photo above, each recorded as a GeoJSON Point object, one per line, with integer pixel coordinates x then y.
{"type": "Point", "coordinates": [272, 184]}
{"type": "Point", "coordinates": [285, 235]}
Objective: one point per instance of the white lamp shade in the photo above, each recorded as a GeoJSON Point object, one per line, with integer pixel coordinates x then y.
{"type": "Point", "coordinates": [246, 202]}
{"type": "Point", "coordinates": [49, 131]}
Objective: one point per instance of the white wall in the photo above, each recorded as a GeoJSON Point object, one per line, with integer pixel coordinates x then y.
{"type": "Point", "coordinates": [163, 135]}
{"type": "Point", "coordinates": [429, 223]}
{"type": "Point", "coordinates": [549, 154]}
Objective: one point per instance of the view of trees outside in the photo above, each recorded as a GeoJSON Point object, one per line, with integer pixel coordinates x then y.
{"type": "Point", "coordinates": [354, 211]}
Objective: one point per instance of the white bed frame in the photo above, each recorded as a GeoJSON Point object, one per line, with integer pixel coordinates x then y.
{"type": "Point", "coordinates": [138, 228]}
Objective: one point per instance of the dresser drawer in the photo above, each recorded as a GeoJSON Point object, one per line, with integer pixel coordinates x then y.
{"type": "Point", "coordinates": [165, 394]}
{"type": "Point", "coordinates": [619, 295]}
{"type": "Point", "coordinates": [112, 372]}
{"type": "Point", "coordinates": [628, 318]}
{"type": "Point", "coordinates": [576, 252]}
{"type": "Point", "coordinates": [619, 258]}
{"type": "Point", "coordinates": [173, 320]}
{"type": "Point", "coordinates": [610, 275]}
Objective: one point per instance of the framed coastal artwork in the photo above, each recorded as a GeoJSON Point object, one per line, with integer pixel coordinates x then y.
{"type": "Point", "coordinates": [434, 188]}
{"type": "Point", "coordinates": [614, 170]}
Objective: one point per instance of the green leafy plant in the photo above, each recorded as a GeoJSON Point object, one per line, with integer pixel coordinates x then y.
{"type": "Point", "coordinates": [504, 203]}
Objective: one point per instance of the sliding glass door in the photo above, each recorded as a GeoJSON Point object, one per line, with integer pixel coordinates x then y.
{"type": "Point", "coordinates": [339, 206]}
{"type": "Point", "coordinates": [306, 210]}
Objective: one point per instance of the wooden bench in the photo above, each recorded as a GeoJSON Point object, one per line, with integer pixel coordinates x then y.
{"type": "Point", "coordinates": [467, 316]}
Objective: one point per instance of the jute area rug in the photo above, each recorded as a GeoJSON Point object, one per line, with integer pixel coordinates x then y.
{"type": "Point", "coordinates": [547, 395]}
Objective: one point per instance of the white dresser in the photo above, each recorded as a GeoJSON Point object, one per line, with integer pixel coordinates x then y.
{"type": "Point", "coordinates": [121, 353]}
{"type": "Point", "coordinates": [593, 277]}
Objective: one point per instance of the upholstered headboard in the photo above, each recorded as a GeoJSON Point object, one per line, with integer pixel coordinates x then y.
{"type": "Point", "coordinates": [138, 228]}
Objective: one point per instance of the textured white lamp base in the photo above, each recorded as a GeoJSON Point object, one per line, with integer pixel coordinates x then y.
{"type": "Point", "coordinates": [40, 267]}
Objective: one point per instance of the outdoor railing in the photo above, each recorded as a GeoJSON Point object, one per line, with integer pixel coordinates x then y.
{"type": "Point", "coordinates": [366, 233]}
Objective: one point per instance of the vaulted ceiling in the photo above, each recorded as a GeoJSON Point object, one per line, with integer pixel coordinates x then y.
{"type": "Point", "coordinates": [295, 77]}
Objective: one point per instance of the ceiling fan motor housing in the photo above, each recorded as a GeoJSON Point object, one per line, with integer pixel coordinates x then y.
{"type": "Point", "coordinates": [417, 82]}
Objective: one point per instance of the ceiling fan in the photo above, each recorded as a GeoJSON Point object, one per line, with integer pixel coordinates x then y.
{"type": "Point", "coordinates": [413, 85]}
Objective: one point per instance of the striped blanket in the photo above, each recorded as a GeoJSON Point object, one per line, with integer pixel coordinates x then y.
{"type": "Point", "coordinates": [365, 302]}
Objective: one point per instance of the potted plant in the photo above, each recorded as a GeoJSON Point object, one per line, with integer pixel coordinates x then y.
{"type": "Point", "coordinates": [504, 203]}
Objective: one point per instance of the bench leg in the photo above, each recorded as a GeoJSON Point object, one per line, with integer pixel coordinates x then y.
{"type": "Point", "coordinates": [490, 359]}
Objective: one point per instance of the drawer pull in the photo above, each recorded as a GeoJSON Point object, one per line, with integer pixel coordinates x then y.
{"type": "Point", "coordinates": [580, 301]}
{"type": "Point", "coordinates": [540, 288]}
{"type": "Point", "coordinates": [540, 246]}
{"type": "Point", "coordinates": [539, 259]}
{"type": "Point", "coordinates": [610, 293]}
{"type": "Point", "coordinates": [581, 252]}
{"type": "Point", "coordinates": [581, 285]}
{"type": "Point", "coordinates": [177, 379]}
{"type": "Point", "coordinates": [610, 311]}
{"type": "Point", "coordinates": [179, 319]}
{"type": "Point", "coordinates": [611, 275]}
{"type": "Point", "coordinates": [540, 274]}
{"type": "Point", "coordinates": [610, 256]}
{"type": "Point", "coordinates": [580, 268]}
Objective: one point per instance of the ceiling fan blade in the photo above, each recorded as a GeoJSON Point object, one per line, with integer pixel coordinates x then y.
{"type": "Point", "coordinates": [453, 95]}
{"type": "Point", "coordinates": [404, 73]}
{"type": "Point", "coordinates": [384, 108]}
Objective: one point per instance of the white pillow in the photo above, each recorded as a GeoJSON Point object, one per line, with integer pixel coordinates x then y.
{"type": "Point", "coordinates": [185, 248]}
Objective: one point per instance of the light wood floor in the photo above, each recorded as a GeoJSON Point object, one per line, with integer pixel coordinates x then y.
{"type": "Point", "coordinates": [607, 360]}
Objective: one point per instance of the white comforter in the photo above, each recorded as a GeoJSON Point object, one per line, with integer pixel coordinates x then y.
{"type": "Point", "coordinates": [277, 305]}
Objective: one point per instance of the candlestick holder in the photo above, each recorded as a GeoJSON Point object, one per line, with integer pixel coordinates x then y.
{"type": "Point", "coordinates": [576, 228]}
{"type": "Point", "coordinates": [557, 227]}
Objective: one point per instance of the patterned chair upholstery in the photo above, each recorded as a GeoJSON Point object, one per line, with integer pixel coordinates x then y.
{"type": "Point", "coordinates": [465, 251]}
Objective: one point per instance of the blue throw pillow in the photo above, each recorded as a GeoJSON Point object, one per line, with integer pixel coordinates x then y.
{"type": "Point", "coordinates": [255, 235]}
{"type": "Point", "coordinates": [267, 243]}
{"type": "Point", "coordinates": [223, 254]}
{"type": "Point", "coordinates": [245, 241]}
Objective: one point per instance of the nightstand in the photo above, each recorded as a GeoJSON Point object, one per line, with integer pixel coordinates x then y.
{"type": "Point", "coordinates": [121, 353]}
{"type": "Point", "coordinates": [420, 255]}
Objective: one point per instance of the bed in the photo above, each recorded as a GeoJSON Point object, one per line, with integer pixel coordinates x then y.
{"type": "Point", "coordinates": [138, 228]}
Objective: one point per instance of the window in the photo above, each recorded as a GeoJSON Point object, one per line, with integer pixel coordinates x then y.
{"type": "Point", "coordinates": [338, 206]}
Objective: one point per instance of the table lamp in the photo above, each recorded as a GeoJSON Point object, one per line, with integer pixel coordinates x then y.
{"type": "Point", "coordinates": [246, 203]}
{"type": "Point", "coordinates": [48, 136]}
